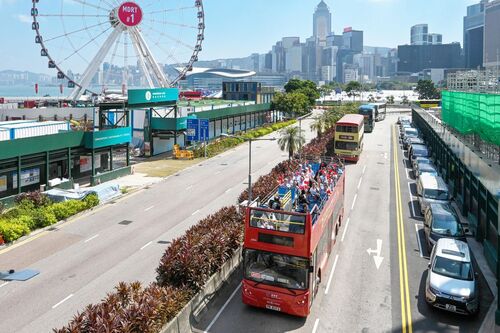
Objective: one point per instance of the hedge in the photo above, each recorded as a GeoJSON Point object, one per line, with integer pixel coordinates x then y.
{"type": "Point", "coordinates": [35, 210]}
{"type": "Point", "coordinates": [221, 145]}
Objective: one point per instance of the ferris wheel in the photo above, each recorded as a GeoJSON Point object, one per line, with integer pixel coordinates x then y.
{"type": "Point", "coordinates": [100, 45]}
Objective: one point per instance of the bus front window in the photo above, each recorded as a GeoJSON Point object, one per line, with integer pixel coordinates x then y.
{"type": "Point", "coordinates": [342, 145]}
{"type": "Point", "coordinates": [277, 269]}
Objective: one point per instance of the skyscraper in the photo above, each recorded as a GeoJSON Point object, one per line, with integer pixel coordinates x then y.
{"type": "Point", "coordinates": [322, 23]}
{"type": "Point", "coordinates": [473, 35]}
{"type": "Point", "coordinates": [491, 40]}
{"type": "Point", "coordinates": [419, 34]}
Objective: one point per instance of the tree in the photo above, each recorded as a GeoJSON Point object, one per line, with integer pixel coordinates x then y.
{"type": "Point", "coordinates": [296, 84]}
{"type": "Point", "coordinates": [293, 103]}
{"type": "Point", "coordinates": [427, 90]}
{"type": "Point", "coordinates": [311, 94]}
{"type": "Point", "coordinates": [292, 138]}
{"type": "Point", "coordinates": [352, 88]}
{"type": "Point", "coordinates": [325, 90]}
{"type": "Point", "coordinates": [319, 124]}
{"type": "Point", "coordinates": [390, 100]}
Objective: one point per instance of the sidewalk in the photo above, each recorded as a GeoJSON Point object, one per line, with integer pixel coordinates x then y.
{"type": "Point", "coordinates": [488, 325]}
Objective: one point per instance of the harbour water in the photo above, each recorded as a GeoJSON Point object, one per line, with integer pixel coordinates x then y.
{"type": "Point", "coordinates": [24, 91]}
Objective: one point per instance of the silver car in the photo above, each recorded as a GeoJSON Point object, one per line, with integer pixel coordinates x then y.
{"type": "Point", "coordinates": [451, 283]}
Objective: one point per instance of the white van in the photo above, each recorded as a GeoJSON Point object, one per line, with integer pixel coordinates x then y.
{"type": "Point", "coordinates": [431, 189]}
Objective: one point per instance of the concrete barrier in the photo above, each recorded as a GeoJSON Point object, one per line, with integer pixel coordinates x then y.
{"type": "Point", "coordinates": [192, 311]}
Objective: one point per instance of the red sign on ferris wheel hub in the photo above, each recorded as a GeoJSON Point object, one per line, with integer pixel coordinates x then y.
{"type": "Point", "coordinates": [130, 14]}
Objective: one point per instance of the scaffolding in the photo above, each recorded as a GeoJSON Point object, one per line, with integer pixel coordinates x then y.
{"type": "Point", "coordinates": [478, 81]}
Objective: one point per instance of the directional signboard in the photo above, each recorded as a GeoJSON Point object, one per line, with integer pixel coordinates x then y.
{"type": "Point", "coordinates": [197, 129]}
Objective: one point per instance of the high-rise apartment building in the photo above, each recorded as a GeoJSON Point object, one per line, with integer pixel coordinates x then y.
{"type": "Point", "coordinates": [435, 39]}
{"type": "Point", "coordinates": [491, 38]}
{"type": "Point", "coordinates": [353, 39]}
{"type": "Point", "coordinates": [474, 35]}
{"type": "Point", "coordinates": [322, 23]}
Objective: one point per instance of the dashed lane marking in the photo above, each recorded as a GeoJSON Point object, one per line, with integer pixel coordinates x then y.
{"type": "Point", "coordinates": [331, 275]}
{"type": "Point", "coordinates": [61, 302]}
{"type": "Point", "coordinates": [222, 309]}
{"type": "Point", "coordinates": [345, 229]}
{"type": "Point", "coordinates": [91, 238]}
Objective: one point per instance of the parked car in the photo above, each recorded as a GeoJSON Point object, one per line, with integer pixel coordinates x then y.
{"type": "Point", "coordinates": [411, 140]}
{"type": "Point", "coordinates": [404, 119]}
{"type": "Point", "coordinates": [425, 168]}
{"type": "Point", "coordinates": [417, 150]}
{"type": "Point", "coordinates": [452, 284]}
{"type": "Point", "coordinates": [441, 221]}
{"type": "Point", "coordinates": [431, 189]}
{"type": "Point", "coordinates": [425, 160]}
{"type": "Point", "coordinates": [402, 128]}
{"type": "Point", "coordinates": [410, 132]}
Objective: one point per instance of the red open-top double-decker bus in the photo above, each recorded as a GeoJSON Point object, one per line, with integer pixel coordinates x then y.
{"type": "Point", "coordinates": [286, 250]}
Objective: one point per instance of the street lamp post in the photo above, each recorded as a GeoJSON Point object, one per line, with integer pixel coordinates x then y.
{"type": "Point", "coordinates": [249, 201]}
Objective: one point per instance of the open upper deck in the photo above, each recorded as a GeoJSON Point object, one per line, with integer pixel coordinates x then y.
{"type": "Point", "coordinates": [301, 196]}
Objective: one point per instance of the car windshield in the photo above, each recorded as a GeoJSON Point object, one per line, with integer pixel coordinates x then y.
{"type": "Point", "coordinates": [277, 269]}
{"type": "Point", "coordinates": [453, 268]}
{"type": "Point", "coordinates": [423, 162]}
{"type": "Point", "coordinates": [436, 194]}
{"type": "Point", "coordinates": [410, 132]}
{"type": "Point", "coordinates": [447, 225]}
{"type": "Point", "coordinates": [420, 152]}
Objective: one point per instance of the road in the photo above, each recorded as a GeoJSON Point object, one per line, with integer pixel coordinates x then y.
{"type": "Point", "coordinates": [359, 296]}
{"type": "Point", "coordinates": [82, 260]}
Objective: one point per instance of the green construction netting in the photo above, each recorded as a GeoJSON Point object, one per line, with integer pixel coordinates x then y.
{"type": "Point", "coordinates": [471, 113]}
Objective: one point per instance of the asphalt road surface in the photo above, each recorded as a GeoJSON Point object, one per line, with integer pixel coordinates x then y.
{"type": "Point", "coordinates": [82, 260]}
{"type": "Point", "coordinates": [358, 296]}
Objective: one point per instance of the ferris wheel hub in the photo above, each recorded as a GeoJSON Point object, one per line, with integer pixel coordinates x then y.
{"type": "Point", "coordinates": [130, 14]}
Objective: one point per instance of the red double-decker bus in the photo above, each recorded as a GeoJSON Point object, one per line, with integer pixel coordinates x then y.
{"type": "Point", "coordinates": [286, 250]}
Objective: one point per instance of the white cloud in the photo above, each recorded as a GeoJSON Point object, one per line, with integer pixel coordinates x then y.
{"type": "Point", "coordinates": [7, 2]}
{"type": "Point", "coordinates": [23, 18]}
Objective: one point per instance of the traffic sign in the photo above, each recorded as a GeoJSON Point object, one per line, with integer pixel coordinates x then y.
{"type": "Point", "coordinates": [198, 129]}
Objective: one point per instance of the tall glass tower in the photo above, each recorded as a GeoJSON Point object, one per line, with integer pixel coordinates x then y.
{"type": "Point", "coordinates": [322, 22]}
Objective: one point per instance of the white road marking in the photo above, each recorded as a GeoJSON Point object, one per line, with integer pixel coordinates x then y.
{"type": "Point", "coordinates": [359, 183]}
{"type": "Point", "coordinates": [228, 190]}
{"type": "Point", "coordinates": [412, 203]}
{"type": "Point", "coordinates": [146, 245]}
{"type": "Point", "coordinates": [4, 284]}
{"type": "Point", "coordinates": [217, 172]}
{"type": "Point", "coordinates": [345, 229]}
{"type": "Point", "coordinates": [91, 238]}
{"type": "Point", "coordinates": [316, 324]}
{"type": "Point", "coordinates": [364, 169]}
{"type": "Point", "coordinates": [222, 309]}
{"type": "Point", "coordinates": [354, 201]}
{"type": "Point", "coordinates": [407, 174]}
{"type": "Point", "coordinates": [189, 187]}
{"type": "Point", "coordinates": [417, 229]}
{"type": "Point", "coordinates": [149, 208]}
{"type": "Point", "coordinates": [61, 302]}
{"type": "Point", "coordinates": [331, 274]}
{"type": "Point", "coordinates": [195, 212]}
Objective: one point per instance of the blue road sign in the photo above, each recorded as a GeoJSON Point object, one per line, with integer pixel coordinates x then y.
{"type": "Point", "coordinates": [204, 130]}
{"type": "Point", "coordinates": [193, 129]}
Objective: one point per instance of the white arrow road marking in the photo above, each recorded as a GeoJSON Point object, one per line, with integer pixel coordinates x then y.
{"type": "Point", "coordinates": [377, 258]}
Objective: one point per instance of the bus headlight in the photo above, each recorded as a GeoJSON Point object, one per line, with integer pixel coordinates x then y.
{"type": "Point", "coordinates": [302, 300]}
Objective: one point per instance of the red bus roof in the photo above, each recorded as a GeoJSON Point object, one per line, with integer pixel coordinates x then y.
{"type": "Point", "coordinates": [351, 119]}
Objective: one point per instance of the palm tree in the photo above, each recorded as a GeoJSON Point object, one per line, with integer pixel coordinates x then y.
{"type": "Point", "coordinates": [292, 138]}
{"type": "Point", "coordinates": [319, 124]}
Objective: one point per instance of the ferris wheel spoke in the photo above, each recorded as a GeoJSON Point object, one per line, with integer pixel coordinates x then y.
{"type": "Point", "coordinates": [73, 32]}
{"type": "Point", "coordinates": [95, 64]}
{"type": "Point", "coordinates": [154, 21]}
{"type": "Point", "coordinates": [86, 44]}
{"type": "Point", "coordinates": [85, 3]}
{"type": "Point", "coordinates": [112, 61]}
{"type": "Point", "coordinates": [161, 33]}
{"type": "Point", "coordinates": [171, 10]}
{"type": "Point", "coordinates": [148, 57]}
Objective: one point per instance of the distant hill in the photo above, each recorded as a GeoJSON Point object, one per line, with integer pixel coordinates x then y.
{"type": "Point", "coordinates": [13, 77]}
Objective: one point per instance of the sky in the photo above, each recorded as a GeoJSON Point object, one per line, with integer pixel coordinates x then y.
{"type": "Point", "coordinates": [237, 28]}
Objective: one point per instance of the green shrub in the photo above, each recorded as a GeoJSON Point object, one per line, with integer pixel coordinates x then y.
{"type": "Point", "coordinates": [44, 217]}
{"type": "Point", "coordinates": [36, 197]}
{"type": "Point", "coordinates": [63, 210]}
{"type": "Point", "coordinates": [11, 231]}
{"type": "Point", "coordinates": [91, 200]}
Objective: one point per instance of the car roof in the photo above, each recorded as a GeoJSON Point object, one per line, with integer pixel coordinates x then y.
{"type": "Point", "coordinates": [453, 249]}
{"type": "Point", "coordinates": [426, 166]}
{"type": "Point", "coordinates": [430, 181]}
{"type": "Point", "coordinates": [418, 146]}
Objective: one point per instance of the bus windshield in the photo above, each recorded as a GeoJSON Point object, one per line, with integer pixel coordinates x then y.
{"type": "Point", "coordinates": [277, 269]}
{"type": "Point", "coordinates": [346, 145]}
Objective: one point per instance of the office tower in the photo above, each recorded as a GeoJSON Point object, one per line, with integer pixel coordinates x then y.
{"type": "Point", "coordinates": [322, 23]}
{"type": "Point", "coordinates": [491, 39]}
{"type": "Point", "coordinates": [419, 34]}
{"type": "Point", "coordinates": [473, 35]}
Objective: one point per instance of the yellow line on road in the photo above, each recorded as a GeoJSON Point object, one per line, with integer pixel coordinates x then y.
{"type": "Point", "coordinates": [406, 318]}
